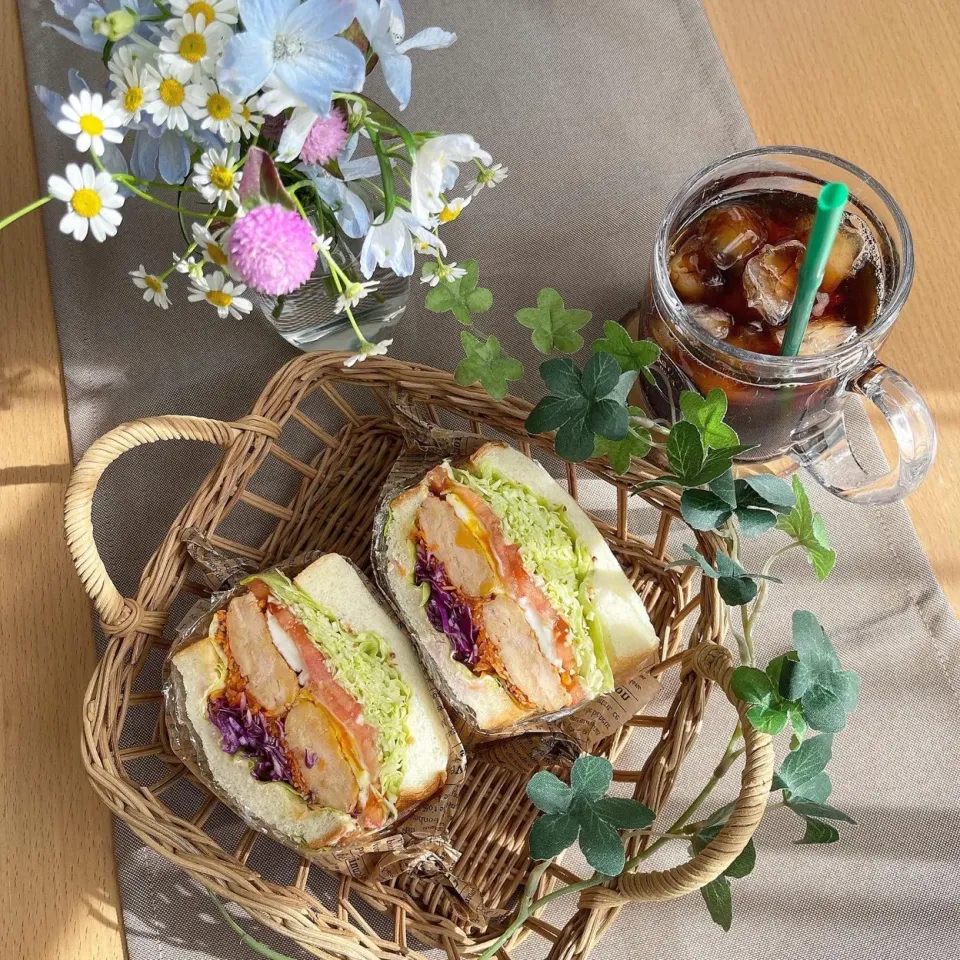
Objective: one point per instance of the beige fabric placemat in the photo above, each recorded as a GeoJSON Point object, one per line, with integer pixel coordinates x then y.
{"type": "Point", "coordinates": [600, 110]}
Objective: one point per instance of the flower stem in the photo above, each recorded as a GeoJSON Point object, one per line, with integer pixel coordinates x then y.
{"type": "Point", "coordinates": [338, 277]}
{"type": "Point", "coordinates": [13, 217]}
{"type": "Point", "coordinates": [765, 585]}
{"type": "Point", "coordinates": [245, 937]}
{"type": "Point", "coordinates": [126, 181]}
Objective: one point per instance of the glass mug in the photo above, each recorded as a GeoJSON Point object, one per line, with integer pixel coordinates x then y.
{"type": "Point", "coordinates": [791, 409]}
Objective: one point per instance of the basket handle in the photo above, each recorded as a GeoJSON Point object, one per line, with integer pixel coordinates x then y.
{"type": "Point", "coordinates": [117, 613]}
{"type": "Point", "coordinates": [714, 663]}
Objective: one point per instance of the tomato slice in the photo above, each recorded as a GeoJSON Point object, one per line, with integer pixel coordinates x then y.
{"type": "Point", "coordinates": [515, 576]}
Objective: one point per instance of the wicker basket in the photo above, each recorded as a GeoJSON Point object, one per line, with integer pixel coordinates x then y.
{"type": "Point", "coordinates": [332, 509]}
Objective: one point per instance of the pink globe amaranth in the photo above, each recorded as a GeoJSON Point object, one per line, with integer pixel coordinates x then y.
{"type": "Point", "coordinates": [325, 139]}
{"type": "Point", "coordinates": [272, 249]}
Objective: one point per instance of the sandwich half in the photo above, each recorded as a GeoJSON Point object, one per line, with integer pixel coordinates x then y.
{"type": "Point", "coordinates": [509, 589]}
{"type": "Point", "coordinates": [306, 709]}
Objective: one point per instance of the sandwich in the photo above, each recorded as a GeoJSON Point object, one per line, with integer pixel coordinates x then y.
{"type": "Point", "coordinates": [509, 589]}
{"type": "Point", "coordinates": [305, 708]}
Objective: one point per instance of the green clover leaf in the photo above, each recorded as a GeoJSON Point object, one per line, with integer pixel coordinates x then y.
{"type": "Point", "coordinates": [818, 832]}
{"type": "Point", "coordinates": [717, 896]}
{"type": "Point", "coordinates": [825, 690]}
{"type": "Point", "coordinates": [583, 811]}
{"type": "Point", "coordinates": [735, 585]}
{"type": "Point", "coordinates": [582, 405]}
{"type": "Point", "coordinates": [707, 415]}
{"type": "Point", "coordinates": [554, 326]}
{"type": "Point", "coordinates": [629, 353]}
{"type": "Point", "coordinates": [547, 792]}
{"type": "Point", "coordinates": [591, 777]}
{"type": "Point", "coordinates": [552, 834]}
{"type": "Point", "coordinates": [462, 298]}
{"type": "Point", "coordinates": [600, 843]}
{"type": "Point", "coordinates": [620, 453]}
{"type": "Point", "coordinates": [803, 764]}
{"type": "Point", "coordinates": [809, 530]}
{"type": "Point", "coordinates": [485, 363]}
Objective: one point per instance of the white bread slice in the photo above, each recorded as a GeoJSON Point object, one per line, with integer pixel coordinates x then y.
{"type": "Point", "coordinates": [271, 806]}
{"type": "Point", "coordinates": [335, 584]}
{"type": "Point", "coordinates": [629, 637]}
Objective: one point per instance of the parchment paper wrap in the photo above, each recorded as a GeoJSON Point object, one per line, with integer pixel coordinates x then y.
{"type": "Point", "coordinates": [544, 739]}
{"type": "Point", "coordinates": [419, 834]}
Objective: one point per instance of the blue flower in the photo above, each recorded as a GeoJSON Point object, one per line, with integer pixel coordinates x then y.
{"type": "Point", "coordinates": [157, 149]}
{"type": "Point", "coordinates": [384, 27]}
{"type": "Point", "coordinates": [297, 44]}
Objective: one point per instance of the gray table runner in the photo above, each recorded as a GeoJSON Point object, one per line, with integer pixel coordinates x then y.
{"type": "Point", "coordinates": [600, 111]}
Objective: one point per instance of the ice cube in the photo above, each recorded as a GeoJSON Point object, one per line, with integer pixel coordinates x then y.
{"type": "Point", "coordinates": [822, 336]}
{"type": "Point", "coordinates": [731, 234]}
{"type": "Point", "coordinates": [770, 280]}
{"type": "Point", "coordinates": [692, 272]}
{"type": "Point", "coordinates": [846, 250]}
{"type": "Point", "coordinates": [843, 256]}
{"type": "Point", "coordinates": [715, 321]}
{"type": "Point", "coordinates": [820, 303]}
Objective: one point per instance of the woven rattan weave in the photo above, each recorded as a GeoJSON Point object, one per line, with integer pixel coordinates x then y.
{"type": "Point", "coordinates": [346, 442]}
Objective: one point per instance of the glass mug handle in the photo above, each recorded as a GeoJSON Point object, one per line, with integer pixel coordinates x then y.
{"type": "Point", "coordinates": [826, 452]}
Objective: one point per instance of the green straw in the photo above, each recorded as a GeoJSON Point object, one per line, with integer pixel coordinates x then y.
{"type": "Point", "coordinates": [826, 223]}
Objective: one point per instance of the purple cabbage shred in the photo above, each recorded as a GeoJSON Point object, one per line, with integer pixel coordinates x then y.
{"type": "Point", "coordinates": [444, 611]}
{"type": "Point", "coordinates": [245, 731]}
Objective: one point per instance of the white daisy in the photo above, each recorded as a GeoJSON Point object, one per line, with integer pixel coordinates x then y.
{"type": "Point", "coordinates": [488, 177]}
{"type": "Point", "coordinates": [216, 178]}
{"type": "Point", "coordinates": [88, 118]}
{"type": "Point", "coordinates": [165, 90]}
{"type": "Point", "coordinates": [212, 246]}
{"type": "Point", "coordinates": [154, 289]}
{"type": "Point", "coordinates": [453, 208]}
{"type": "Point", "coordinates": [251, 117]}
{"type": "Point", "coordinates": [188, 265]}
{"type": "Point", "coordinates": [353, 293]}
{"type": "Point", "coordinates": [434, 272]}
{"type": "Point", "coordinates": [221, 293]}
{"type": "Point", "coordinates": [213, 11]}
{"type": "Point", "coordinates": [92, 199]}
{"type": "Point", "coordinates": [368, 350]}
{"type": "Point", "coordinates": [215, 109]}
{"type": "Point", "coordinates": [195, 43]}
{"type": "Point", "coordinates": [128, 55]}
{"type": "Point", "coordinates": [128, 92]}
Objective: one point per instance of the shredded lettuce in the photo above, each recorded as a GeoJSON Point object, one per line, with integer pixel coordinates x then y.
{"type": "Point", "coordinates": [555, 557]}
{"type": "Point", "coordinates": [363, 665]}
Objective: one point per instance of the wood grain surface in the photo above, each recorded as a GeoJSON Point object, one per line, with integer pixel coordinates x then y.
{"type": "Point", "coordinates": [879, 86]}
{"type": "Point", "coordinates": [58, 896]}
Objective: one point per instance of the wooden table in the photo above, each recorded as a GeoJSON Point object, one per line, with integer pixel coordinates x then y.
{"type": "Point", "coordinates": [880, 87]}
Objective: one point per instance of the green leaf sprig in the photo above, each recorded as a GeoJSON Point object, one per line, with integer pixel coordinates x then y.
{"type": "Point", "coordinates": [485, 362]}
{"type": "Point", "coordinates": [806, 687]}
{"type": "Point", "coordinates": [554, 326]}
{"type": "Point", "coordinates": [583, 405]}
{"type": "Point", "coordinates": [461, 297]}
{"type": "Point", "coordinates": [735, 585]}
{"type": "Point", "coordinates": [582, 811]}
{"type": "Point", "coordinates": [809, 531]}
{"type": "Point", "coordinates": [631, 354]}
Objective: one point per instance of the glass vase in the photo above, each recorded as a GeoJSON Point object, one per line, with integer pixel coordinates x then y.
{"type": "Point", "coordinates": [307, 318]}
